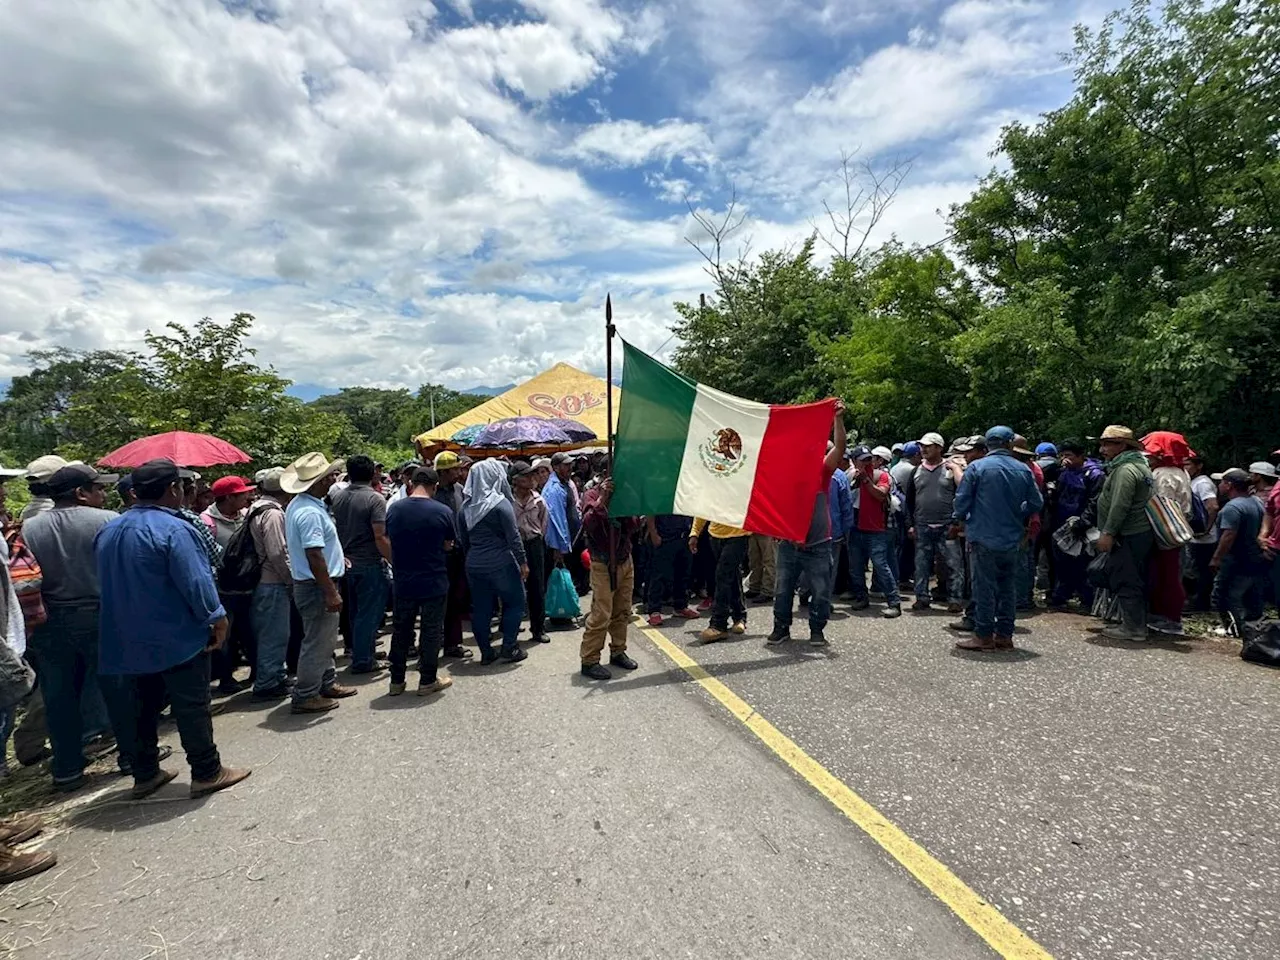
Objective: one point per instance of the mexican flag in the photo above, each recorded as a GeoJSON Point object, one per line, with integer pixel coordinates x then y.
{"type": "Point", "coordinates": [685, 448]}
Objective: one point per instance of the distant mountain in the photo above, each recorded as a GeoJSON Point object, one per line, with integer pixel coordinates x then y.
{"type": "Point", "coordinates": [488, 391]}
{"type": "Point", "coordinates": [306, 392]}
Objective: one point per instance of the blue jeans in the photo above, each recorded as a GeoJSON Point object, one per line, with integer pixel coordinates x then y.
{"type": "Point", "coordinates": [931, 541]}
{"type": "Point", "coordinates": [66, 658]}
{"type": "Point", "coordinates": [1026, 595]}
{"type": "Point", "coordinates": [367, 586]}
{"type": "Point", "coordinates": [487, 588]}
{"type": "Point", "coordinates": [271, 630]}
{"type": "Point", "coordinates": [874, 547]}
{"type": "Point", "coordinates": [995, 589]}
{"type": "Point", "coordinates": [815, 563]}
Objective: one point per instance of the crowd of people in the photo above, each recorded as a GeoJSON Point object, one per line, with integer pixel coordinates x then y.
{"type": "Point", "coordinates": [111, 618]}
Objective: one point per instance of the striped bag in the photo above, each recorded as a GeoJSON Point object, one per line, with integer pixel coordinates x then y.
{"type": "Point", "coordinates": [1169, 523]}
{"type": "Point", "coordinates": [27, 581]}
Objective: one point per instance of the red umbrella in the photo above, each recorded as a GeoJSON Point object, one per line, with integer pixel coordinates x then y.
{"type": "Point", "coordinates": [184, 449]}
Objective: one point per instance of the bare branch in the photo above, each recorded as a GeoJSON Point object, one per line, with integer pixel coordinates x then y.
{"type": "Point", "coordinates": [711, 247]}
{"type": "Point", "coordinates": [868, 193]}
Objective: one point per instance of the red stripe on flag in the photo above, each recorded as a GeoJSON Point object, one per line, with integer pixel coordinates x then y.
{"type": "Point", "coordinates": [789, 474]}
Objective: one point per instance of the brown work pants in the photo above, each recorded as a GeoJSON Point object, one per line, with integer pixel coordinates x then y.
{"type": "Point", "coordinates": [610, 611]}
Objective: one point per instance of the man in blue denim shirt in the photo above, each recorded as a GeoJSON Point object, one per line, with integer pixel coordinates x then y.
{"type": "Point", "coordinates": [160, 619]}
{"type": "Point", "coordinates": [994, 500]}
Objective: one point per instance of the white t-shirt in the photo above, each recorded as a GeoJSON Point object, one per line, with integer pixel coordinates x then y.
{"type": "Point", "coordinates": [1205, 489]}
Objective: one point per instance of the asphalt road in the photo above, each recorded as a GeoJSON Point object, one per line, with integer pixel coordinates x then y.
{"type": "Point", "coordinates": [1112, 801]}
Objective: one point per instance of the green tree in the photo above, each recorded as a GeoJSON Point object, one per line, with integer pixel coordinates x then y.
{"type": "Point", "coordinates": [376, 414]}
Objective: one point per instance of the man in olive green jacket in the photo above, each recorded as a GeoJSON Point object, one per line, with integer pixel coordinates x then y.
{"type": "Point", "coordinates": [1126, 531]}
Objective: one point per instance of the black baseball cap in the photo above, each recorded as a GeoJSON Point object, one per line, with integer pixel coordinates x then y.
{"type": "Point", "coordinates": [519, 469]}
{"type": "Point", "coordinates": [155, 472]}
{"type": "Point", "coordinates": [860, 452]}
{"type": "Point", "coordinates": [74, 476]}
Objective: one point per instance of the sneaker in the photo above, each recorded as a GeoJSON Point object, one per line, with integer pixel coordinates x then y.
{"type": "Point", "coordinates": [278, 692]}
{"type": "Point", "coordinates": [922, 605]}
{"type": "Point", "coordinates": [963, 625]}
{"type": "Point", "coordinates": [623, 661]}
{"type": "Point", "coordinates": [314, 705]}
{"type": "Point", "coordinates": [19, 829]}
{"type": "Point", "coordinates": [688, 613]}
{"type": "Point", "coordinates": [18, 866]}
{"type": "Point", "coordinates": [595, 671]}
{"type": "Point", "coordinates": [1121, 632]}
{"type": "Point", "coordinates": [441, 682]}
{"type": "Point", "coordinates": [514, 656]}
{"type": "Point", "coordinates": [395, 689]}
{"type": "Point", "coordinates": [891, 613]}
{"type": "Point", "coordinates": [706, 604]}
{"type": "Point", "coordinates": [712, 634]}
{"type": "Point", "coordinates": [148, 787]}
{"type": "Point", "coordinates": [818, 639]}
{"type": "Point", "coordinates": [226, 777]}
{"type": "Point", "coordinates": [779, 636]}
{"type": "Point", "coordinates": [655, 619]}
{"type": "Point", "coordinates": [739, 628]}
{"type": "Point", "coordinates": [338, 692]}
{"type": "Point", "coordinates": [540, 638]}
{"type": "Point", "coordinates": [859, 604]}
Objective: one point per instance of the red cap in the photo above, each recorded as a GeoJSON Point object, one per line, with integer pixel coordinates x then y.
{"type": "Point", "coordinates": [229, 487]}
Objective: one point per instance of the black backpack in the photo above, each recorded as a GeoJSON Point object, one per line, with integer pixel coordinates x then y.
{"type": "Point", "coordinates": [241, 566]}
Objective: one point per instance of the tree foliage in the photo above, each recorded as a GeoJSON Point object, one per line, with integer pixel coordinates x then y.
{"type": "Point", "coordinates": [205, 379]}
{"type": "Point", "coordinates": [1125, 267]}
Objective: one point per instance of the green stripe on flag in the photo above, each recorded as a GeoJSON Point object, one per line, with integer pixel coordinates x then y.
{"type": "Point", "coordinates": [653, 427]}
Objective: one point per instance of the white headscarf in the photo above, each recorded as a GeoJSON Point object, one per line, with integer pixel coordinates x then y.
{"type": "Point", "coordinates": [487, 486]}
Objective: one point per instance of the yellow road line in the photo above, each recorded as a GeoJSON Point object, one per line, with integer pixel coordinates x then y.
{"type": "Point", "coordinates": [983, 918]}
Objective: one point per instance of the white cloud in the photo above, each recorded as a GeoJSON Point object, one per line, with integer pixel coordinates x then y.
{"type": "Point", "coordinates": [628, 143]}
{"type": "Point", "coordinates": [398, 200]}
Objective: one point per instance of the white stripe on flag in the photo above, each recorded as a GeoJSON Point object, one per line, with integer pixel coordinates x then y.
{"type": "Point", "coordinates": [712, 485]}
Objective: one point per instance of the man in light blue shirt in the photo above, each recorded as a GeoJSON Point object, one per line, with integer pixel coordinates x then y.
{"type": "Point", "coordinates": [316, 561]}
{"type": "Point", "coordinates": [994, 500]}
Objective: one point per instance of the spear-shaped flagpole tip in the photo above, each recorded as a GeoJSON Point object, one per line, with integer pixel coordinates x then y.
{"type": "Point", "coordinates": [608, 308]}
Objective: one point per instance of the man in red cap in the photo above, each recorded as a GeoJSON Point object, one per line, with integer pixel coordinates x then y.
{"type": "Point", "coordinates": [223, 518]}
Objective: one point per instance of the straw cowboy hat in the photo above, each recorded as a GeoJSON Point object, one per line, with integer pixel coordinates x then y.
{"type": "Point", "coordinates": [299, 476]}
{"type": "Point", "coordinates": [1121, 435]}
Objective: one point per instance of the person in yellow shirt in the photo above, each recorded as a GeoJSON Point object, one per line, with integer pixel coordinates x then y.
{"type": "Point", "coordinates": [729, 544]}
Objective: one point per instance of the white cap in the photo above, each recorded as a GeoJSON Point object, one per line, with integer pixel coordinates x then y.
{"type": "Point", "coordinates": [42, 468]}
{"type": "Point", "coordinates": [932, 439]}
{"type": "Point", "coordinates": [1263, 469]}
{"type": "Point", "coordinates": [541, 462]}
{"type": "Point", "coordinates": [884, 453]}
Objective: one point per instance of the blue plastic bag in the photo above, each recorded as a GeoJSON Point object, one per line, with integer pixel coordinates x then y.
{"type": "Point", "coordinates": [562, 596]}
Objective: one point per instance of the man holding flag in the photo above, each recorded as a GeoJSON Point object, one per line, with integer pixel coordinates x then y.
{"type": "Point", "coordinates": [685, 448]}
{"type": "Point", "coordinates": [812, 555]}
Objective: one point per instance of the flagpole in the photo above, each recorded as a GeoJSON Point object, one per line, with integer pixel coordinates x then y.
{"type": "Point", "coordinates": [608, 417]}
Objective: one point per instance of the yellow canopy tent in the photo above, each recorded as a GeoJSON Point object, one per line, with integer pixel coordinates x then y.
{"type": "Point", "coordinates": [562, 391]}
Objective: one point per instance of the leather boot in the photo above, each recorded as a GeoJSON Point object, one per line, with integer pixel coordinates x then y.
{"type": "Point", "coordinates": [19, 866]}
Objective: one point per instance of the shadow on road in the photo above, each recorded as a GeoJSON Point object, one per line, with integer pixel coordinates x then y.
{"type": "Point", "coordinates": [118, 811]}
{"type": "Point", "coordinates": [1177, 645]}
{"type": "Point", "coordinates": [676, 675]}
{"type": "Point", "coordinates": [996, 657]}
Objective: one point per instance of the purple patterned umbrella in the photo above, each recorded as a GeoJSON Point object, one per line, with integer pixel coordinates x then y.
{"type": "Point", "coordinates": [518, 432]}
{"type": "Point", "coordinates": [578, 432]}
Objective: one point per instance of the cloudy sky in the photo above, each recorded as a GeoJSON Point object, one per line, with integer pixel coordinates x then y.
{"type": "Point", "coordinates": [404, 190]}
